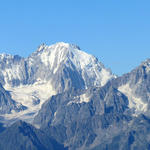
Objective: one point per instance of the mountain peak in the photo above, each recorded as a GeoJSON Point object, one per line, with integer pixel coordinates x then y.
{"type": "Point", "coordinates": [67, 45]}
{"type": "Point", "coordinates": [64, 55]}
{"type": "Point", "coordinates": [48, 71]}
{"type": "Point", "coordinates": [146, 65]}
{"type": "Point", "coordinates": [68, 54]}
{"type": "Point", "coordinates": [146, 62]}
{"type": "Point", "coordinates": [63, 44]}
{"type": "Point", "coordinates": [58, 46]}
{"type": "Point", "coordinates": [41, 47]}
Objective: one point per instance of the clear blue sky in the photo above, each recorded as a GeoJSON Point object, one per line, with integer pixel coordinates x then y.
{"type": "Point", "coordinates": [117, 32]}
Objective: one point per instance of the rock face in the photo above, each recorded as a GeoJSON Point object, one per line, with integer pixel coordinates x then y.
{"type": "Point", "coordinates": [135, 85]}
{"type": "Point", "coordinates": [80, 119]}
{"type": "Point", "coordinates": [22, 136]}
{"type": "Point", "coordinates": [134, 135]}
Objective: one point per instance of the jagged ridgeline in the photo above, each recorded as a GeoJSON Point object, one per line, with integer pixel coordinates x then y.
{"type": "Point", "coordinates": [48, 71]}
{"type": "Point", "coordinates": [72, 101]}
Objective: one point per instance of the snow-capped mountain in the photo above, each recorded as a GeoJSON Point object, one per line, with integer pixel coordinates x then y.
{"type": "Point", "coordinates": [63, 59]}
{"type": "Point", "coordinates": [48, 71]}
{"type": "Point", "coordinates": [73, 101]}
{"type": "Point", "coordinates": [135, 85]}
{"type": "Point", "coordinates": [52, 60]}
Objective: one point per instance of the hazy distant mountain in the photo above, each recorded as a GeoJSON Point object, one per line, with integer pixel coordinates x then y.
{"type": "Point", "coordinates": [22, 136]}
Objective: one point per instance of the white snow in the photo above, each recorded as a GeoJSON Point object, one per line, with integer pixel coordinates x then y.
{"type": "Point", "coordinates": [84, 98]}
{"type": "Point", "coordinates": [134, 102]}
{"type": "Point", "coordinates": [105, 76]}
{"type": "Point", "coordinates": [26, 94]}
{"type": "Point", "coordinates": [11, 73]}
{"type": "Point", "coordinates": [68, 54]}
{"type": "Point", "coordinates": [54, 54]}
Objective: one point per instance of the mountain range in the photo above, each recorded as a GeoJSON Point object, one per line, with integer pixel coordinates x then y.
{"type": "Point", "coordinates": [63, 98]}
